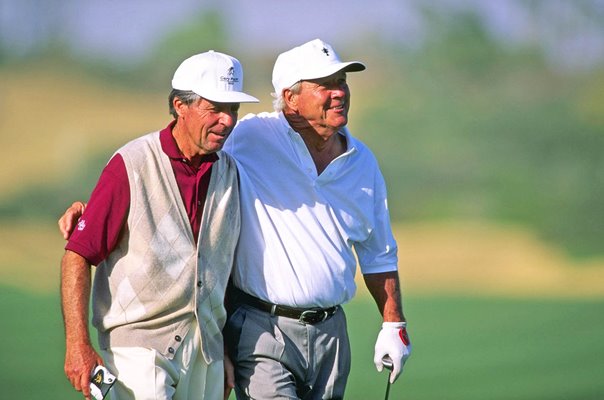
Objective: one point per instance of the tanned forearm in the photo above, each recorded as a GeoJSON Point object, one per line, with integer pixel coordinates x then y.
{"type": "Point", "coordinates": [80, 356]}
{"type": "Point", "coordinates": [75, 297]}
{"type": "Point", "coordinates": [385, 289]}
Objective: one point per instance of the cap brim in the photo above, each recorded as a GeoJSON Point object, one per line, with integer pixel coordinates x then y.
{"type": "Point", "coordinates": [228, 97]}
{"type": "Point", "coordinates": [352, 66]}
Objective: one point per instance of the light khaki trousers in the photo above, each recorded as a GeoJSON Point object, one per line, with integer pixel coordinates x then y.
{"type": "Point", "coordinates": [145, 374]}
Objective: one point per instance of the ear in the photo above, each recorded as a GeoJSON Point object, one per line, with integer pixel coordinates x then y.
{"type": "Point", "coordinates": [179, 106]}
{"type": "Point", "coordinates": [291, 99]}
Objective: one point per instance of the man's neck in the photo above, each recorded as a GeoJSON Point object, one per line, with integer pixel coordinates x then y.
{"type": "Point", "coordinates": [324, 146]}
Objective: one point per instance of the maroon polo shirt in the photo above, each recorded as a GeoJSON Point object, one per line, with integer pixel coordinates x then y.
{"type": "Point", "coordinates": [98, 230]}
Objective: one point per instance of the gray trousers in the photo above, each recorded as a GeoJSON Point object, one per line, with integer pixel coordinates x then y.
{"type": "Point", "coordinates": [281, 358]}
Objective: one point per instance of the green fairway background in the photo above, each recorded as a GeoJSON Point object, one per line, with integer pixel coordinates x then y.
{"type": "Point", "coordinates": [464, 348]}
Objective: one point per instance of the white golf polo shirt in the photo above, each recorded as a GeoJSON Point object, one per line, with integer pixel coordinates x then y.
{"type": "Point", "coordinates": [300, 230]}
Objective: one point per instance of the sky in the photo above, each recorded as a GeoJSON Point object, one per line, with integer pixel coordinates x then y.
{"type": "Point", "coordinates": [123, 28]}
{"type": "Point", "coordinates": [128, 29]}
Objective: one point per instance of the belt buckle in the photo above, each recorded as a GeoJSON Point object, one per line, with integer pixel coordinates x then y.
{"type": "Point", "coordinates": [313, 316]}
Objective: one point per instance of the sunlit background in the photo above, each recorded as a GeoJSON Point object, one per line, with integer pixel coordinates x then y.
{"type": "Point", "coordinates": [487, 118]}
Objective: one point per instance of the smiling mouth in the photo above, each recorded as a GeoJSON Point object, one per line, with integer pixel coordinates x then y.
{"type": "Point", "coordinates": [218, 137]}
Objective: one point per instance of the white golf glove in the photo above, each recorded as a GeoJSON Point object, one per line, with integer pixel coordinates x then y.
{"type": "Point", "coordinates": [393, 342]}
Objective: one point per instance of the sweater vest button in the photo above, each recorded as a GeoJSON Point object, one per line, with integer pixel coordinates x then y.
{"type": "Point", "coordinates": [171, 350]}
{"type": "Point", "coordinates": [198, 283]}
{"type": "Point", "coordinates": [177, 338]}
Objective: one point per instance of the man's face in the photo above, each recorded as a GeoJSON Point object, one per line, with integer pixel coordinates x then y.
{"type": "Point", "coordinates": [208, 124]}
{"type": "Point", "coordinates": [324, 102]}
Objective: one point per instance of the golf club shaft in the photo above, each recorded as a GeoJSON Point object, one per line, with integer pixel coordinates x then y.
{"type": "Point", "coordinates": [387, 387]}
{"type": "Point", "coordinates": [387, 362]}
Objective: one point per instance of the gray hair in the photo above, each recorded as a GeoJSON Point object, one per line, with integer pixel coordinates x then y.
{"type": "Point", "coordinates": [279, 101]}
{"type": "Point", "coordinates": [186, 96]}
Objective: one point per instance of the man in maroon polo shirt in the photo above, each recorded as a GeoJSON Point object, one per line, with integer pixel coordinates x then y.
{"type": "Point", "coordinates": [110, 199]}
{"type": "Point", "coordinates": [161, 226]}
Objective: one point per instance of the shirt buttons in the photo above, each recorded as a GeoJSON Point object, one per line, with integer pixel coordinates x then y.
{"type": "Point", "coordinates": [177, 338]}
{"type": "Point", "coordinates": [171, 350]}
{"type": "Point", "coordinates": [198, 283]}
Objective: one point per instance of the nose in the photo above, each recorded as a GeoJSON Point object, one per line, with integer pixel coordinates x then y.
{"type": "Point", "coordinates": [228, 119]}
{"type": "Point", "coordinates": [339, 90]}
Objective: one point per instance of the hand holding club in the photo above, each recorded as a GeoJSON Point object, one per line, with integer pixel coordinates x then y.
{"type": "Point", "coordinates": [392, 342]}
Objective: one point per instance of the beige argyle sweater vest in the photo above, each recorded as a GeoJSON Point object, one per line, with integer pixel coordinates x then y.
{"type": "Point", "coordinates": [157, 283]}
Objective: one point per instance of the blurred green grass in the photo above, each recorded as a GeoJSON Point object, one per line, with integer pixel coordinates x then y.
{"type": "Point", "coordinates": [464, 348]}
{"type": "Point", "coordinates": [487, 348]}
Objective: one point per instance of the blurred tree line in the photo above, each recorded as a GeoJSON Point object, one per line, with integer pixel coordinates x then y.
{"type": "Point", "coordinates": [469, 128]}
{"type": "Point", "coordinates": [464, 126]}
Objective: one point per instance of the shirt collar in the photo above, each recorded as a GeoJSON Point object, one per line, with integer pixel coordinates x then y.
{"type": "Point", "coordinates": [284, 122]}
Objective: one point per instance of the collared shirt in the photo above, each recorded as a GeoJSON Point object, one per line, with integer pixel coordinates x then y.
{"type": "Point", "coordinates": [300, 230]}
{"type": "Point", "coordinates": [99, 228]}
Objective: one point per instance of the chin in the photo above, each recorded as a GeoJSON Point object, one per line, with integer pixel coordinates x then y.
{"type": "Point", "coordinates": [340, 122]}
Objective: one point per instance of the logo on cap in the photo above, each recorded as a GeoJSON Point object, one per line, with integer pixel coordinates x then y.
{"type": "Point", "coordinates": [325, 51]}
{"type": "Point", "coordinates": [230, 78]}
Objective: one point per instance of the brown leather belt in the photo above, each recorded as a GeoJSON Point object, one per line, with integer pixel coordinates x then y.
{"type": "Point", "coordinates": [309, 316]}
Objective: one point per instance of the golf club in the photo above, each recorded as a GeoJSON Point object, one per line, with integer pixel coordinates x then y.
{"type": "Point", "coordinates": [387, 362]}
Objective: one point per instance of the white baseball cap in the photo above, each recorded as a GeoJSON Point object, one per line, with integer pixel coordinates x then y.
{"type": "Point", "coordinates": [312, 60]}
{"type": "Point", "coordinates": [214, 76]}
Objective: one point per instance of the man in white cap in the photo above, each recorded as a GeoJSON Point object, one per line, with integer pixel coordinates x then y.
{"type": "Point", "coordinates": [312, 196]}
{"type": "Point", "coordinates": [161, 226]}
